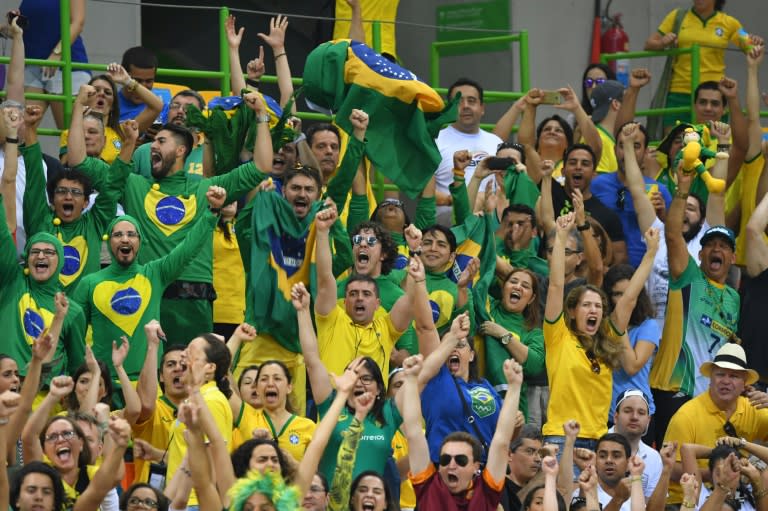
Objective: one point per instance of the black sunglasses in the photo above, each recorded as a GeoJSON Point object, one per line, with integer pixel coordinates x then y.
{"type": "Point", "coordinates": [620, 200]}
{"type": "Point", "coordinates": [729, 429]}
{"type": "Point", "coordinates": [593, 361]}
{"type": "Point", "coordinates": [461, 460]}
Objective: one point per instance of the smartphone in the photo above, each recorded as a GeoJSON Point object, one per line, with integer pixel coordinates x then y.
{"type": "Point", "coordinates": [21, 20]}
{"type": "Point", "coordinates": [157, 472]}
{"type": "Point", "coordinates": [551, 97]}
{"type": "Point", "coordinates": [496, 163]}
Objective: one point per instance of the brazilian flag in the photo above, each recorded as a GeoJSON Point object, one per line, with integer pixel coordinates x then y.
{"type": "Point", "coordinates": [405, 113]}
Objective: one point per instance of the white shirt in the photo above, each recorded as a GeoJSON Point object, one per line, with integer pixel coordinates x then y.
{"type": "Point", "coordinates": [21, 181]}
{"type": "Point", "coordinates": [653, 466]}
{"type": "Point", "coordinates": [480, 145]}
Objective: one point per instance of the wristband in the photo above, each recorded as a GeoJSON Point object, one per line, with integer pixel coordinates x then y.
{"type": "Point", "coordinates": [458, 174]}
{"type": "Point", "coordinates": [724, 488]}
{"type": "Point", "coordinates": [280, 55]}
{"type": "Point", "coordinates": [584, 227]}
{"type": "Point", "coordinates": [12, 140]}
{"type": "Point", "coordinates": [252, 83]}
{"type": "Point", "coordinates": [723, 147]}
{"type": "Point", "coordinates": [635, 479]}
{"type": "Point", "coordinates": [688, 504]}
{"type": "Point", "coordinates": [681, 195]}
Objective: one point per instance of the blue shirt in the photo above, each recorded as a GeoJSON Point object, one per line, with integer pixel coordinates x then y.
{"type": "Point", "coordinates": [443, 409]}
{"type": "Point", "coordinates": [131, 110]}
{"type": "Point", "coordinates": [648, 331]}
{"type": "Point", "coordinates": [616, 197]}
{"type": "Point", "coordinates": [44, 30]}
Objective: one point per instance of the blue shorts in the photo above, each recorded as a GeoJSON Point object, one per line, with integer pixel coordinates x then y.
{"type": "Point", "coordinates": [33, 77]}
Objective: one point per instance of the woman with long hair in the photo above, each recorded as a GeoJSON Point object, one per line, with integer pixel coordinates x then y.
{"type": "Point", "coordinates": [583, 343]}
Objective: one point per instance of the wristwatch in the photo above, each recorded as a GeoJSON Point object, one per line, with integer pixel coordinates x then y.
{"type": "Point", "coordinates": [506, 338]}
{"type": "Point", "coordinates": [57, 49]}
{"type": "Point", "coordinates": [262, 118]}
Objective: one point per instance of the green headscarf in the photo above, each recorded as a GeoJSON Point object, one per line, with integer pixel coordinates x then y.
{"type": "Point", "coordinates": [111, 226]}
{"type": "Point", "coordinates": [44, 292]}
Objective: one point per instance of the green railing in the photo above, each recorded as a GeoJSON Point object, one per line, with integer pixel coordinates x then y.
{"type": "Point", "coordinates": [695, 53]}
{"type": "Point", "coordinates": [223, 73]}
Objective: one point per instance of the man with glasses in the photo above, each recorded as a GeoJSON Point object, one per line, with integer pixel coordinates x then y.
{"type": "Point", "coordinates": [120, 299]}
{"type": "Point", "coordinates": [354, 328]}
{"type": "Point", "coordinates": [177, 115]}
{"type": "Point", "coordinates": [524, 462]}
{"type": "Point", "coordinates": [727, 408]}
{"type": "Point", "coordinates": [68, 192]}
{"type": "Point", "coordinates": [611, 190]}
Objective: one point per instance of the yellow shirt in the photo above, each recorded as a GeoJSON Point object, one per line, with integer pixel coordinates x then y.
{"type": "Point", "coordinates": [157, 431]}
{"type": "Point", "coordinates": [400, 451]}
{"type": "Point", "coordinates": [700, 421]}
{"type": "Point", "coordinates": [228, 281]}
{"type": "Point", "coordinates": [713, 34]}
{"type": "Point", "coordinates": [608, 162]}
{"type": "Point", "coordinates": [294, 437]}
{"type": "Point", "coordinates": [380, 10]}
{"type": "Point", "coordinates": [340, 340]}
{"type": "Point", "coordinates": [111, 149]}
{"type": "Point", "coordinates": [743, 194]}
{"type": "Point", "coordinates": [222, 414]}
{"type": "Point", "coordinates": [575, 391]}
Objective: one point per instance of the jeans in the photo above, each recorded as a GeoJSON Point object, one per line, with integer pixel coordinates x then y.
{"type": "Point", "coordinates": [586, 443]}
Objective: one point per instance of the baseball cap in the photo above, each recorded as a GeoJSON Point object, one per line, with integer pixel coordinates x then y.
{"type": "Point", "coordinates": [721, 231]}
{"type": "Point", "coordinates": [602, 97]}
{"type": "Point", "coordinates": [632, 393]}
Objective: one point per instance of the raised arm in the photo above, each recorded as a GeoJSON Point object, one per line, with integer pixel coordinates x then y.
{"type": "Point", "coordinates": [61, 386]}
{"type": "Point", "coordinates": [677, 248]}
{"type": "Point", "coordinates": [432, 364]}
{"type": "Point", "coordinates": [638, 79]}
{"type": "Point", "coordinates": [546, 206]}
{"type": "Point", "coordinates": [110, 471]}
{"type": "Point", "coordinates": [12, 117]}
{"type": "Point", "coordinates": [418, 449]}
{"type": "Point", "coordinates": [626, 303]}
{"type": "Point", "coordinates": [591, 248]}
{"type": "Point", "coordinates": [9, 404]}
{"type": "Point", "coordinates": [646, 214]}
{"type": "Point", "coordinates": [550, 468]}
{"type": "Point", "coordinates": [636, 495]}
{"type": "Point", "coordinates": [202, 474]}
{"type": "Point", "coordinates": [14, 82]}
{"type": "Point", "coordinates": [92, 394]}
{"type": "Point", "coordinates": [234, 38]}
{"type": "Point", "coordinates": [498, 451]}
{"type": "Point", "coordinates": [415, 300]}
{"type": "Point", "coordinates": [556, 290]}
{"type": "Point", "coordinates": [319, 379]}
{"type": "Point", "coordinates": [76, 137]}
{"type": "Point", "coordinates": [356, 30]}
{"type": "Point", "coordinates": [153, 103]}
{"type": "Point", "coordinates": [147, 385]}
{"type": "Point", "coordinates": [262, 150]}
{"type": "Point", "coordinates": [506, 122]}
{"type": "Point", "coordinates": [345, 385]}
{"type": "Point", "coordinates": [657, 500]}
{"type": "Point", "coordinates": [132, 402]}
{"type": "Point", "coordinates": [276, 40]}
{"type": "Point", "coordinates": [755, 131]}
{"type": "Point", "coordinates": [715, 213]}
{"type": "Point", "coordinates": [527, 133]}
{"type": "Point", "coordinates": [325, 300]}
{"type": "Point", "coordinates": [588, 130]}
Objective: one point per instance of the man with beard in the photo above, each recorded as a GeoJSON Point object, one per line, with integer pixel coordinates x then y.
{"type": "Point", "coordinates": [702, 312]}
{"type": "Point", "coordinates": [611, 190]}
{"type": "Point", "coordinates": [167, 205]}
{"type": "Point", "coordinates": [127, 294]}
{"type": "Point", "coordinates": [524, 463]}
{"type": "Point", "coordinates": [354, 328]}
{"type": "Point", "coordinates": [152, 430]}
{"type": "Point", "coordinates": [579, 169]}
{"type": "Point", "coordinates": [79, 231]}
{"type": "Point", "coordinates": [177, 114]}
{"type": "Point", "coordinates": [28, 301]}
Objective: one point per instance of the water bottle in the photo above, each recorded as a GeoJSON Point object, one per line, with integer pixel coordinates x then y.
{"type": "Point", "coordinates": [622, 71]}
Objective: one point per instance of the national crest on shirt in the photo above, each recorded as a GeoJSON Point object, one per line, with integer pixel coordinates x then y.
{"type": "Point", "coordinates": [169, 212]}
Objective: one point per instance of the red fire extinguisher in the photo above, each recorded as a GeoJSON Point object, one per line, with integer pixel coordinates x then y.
{"type": "Point", "coordinates": [615, 40]}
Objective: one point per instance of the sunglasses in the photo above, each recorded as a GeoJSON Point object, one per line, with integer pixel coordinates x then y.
{"type": "Point", "coordinates": [591, 82]}
{"type": "Point", "coordinates": [730, 429]}
{"type": "Point", "coordinates": [462, 460]}
{"type": "Point", "coordinates": [593, 361]}
{"type": "Point", "coordinates": [357, 239]}
{"type": "Point", "coordinates": [620, 200]}
{"type": "Point", "coordinates": [391, 202]}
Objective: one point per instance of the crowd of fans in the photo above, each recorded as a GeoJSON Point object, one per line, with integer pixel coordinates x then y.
{"type": "Point", "coordinates": [207, 308]}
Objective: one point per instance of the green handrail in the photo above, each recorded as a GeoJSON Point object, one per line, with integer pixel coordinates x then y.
{"type": "Point", "coordinates": [694, 51]}
{"type": "Point", "coordinates": [480, 43]}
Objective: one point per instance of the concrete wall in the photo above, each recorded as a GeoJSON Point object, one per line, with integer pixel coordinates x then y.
{"type": "Point", "coordinates": [559, 32]}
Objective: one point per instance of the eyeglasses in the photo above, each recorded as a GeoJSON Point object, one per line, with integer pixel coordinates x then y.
{"type": "Point", "coordinates": [462, 344]}
{"type": "Point", "coordinates": [568, 251]}
{"type": "Point", "coordinates": [48, 252]}
{"type": "Point", "coordinates": [366, 379]}
{"type": "Point", "coordinates": [316, 489]}
{"type": "Point", "coordinates": [391, 202]}
{"type": "Point", "coordinates": [128, 234]}
{"type": "Point", "coordinates": [136, 501]}
{"type": "Point", "coordinates": [63, 190]}
{"type": "Point", "coordinates": [620, 200]}
{"type": "Point", "coordinates": [591, 82]}
{"type": "Point", "coordinates": [461, 460]}
{"type": "Point", "coordinates": [175, 106]}
{"type": "Point", "coordinates": [593, 361]}
{"type": "Point", "coordinates": [730, 429]}
{"type": "Point", "coordinates": [64, 435]}
{"type": "Point", "coordinates": [357, 239]}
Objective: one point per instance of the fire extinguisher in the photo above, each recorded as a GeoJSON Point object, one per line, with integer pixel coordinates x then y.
{"type": "Point", "coordinates": [615, 40]}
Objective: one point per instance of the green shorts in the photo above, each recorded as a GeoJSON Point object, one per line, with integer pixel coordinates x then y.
{"type": "Point", "coordinates": [677, 99]}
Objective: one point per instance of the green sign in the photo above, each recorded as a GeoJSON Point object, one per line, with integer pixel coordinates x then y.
{"type": "Point", "coordinates": [461, 21]}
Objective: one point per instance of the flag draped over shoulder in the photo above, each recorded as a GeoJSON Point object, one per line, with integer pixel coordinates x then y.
{"type": "Point", "coordinates": [405, 113]}
{"type": "Point", "coordinates": [520, 188]}
{"type": "Point", "coordinates": [476, 238]}
{"type": "Point", "coordinates": [271, 273]}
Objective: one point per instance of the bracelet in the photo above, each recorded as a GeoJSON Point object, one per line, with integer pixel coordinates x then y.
{"type": "Point", "coordinates": [131, 85]}
{"type": "Point", "coordinates": [12, 140]}
{"type": "Point", "coordinates": [688, 504]}
{"type": "Point", "coordinates": [681, 195]}
{"type": "Point", "coordinates": [584, 227]}
{"type": "Point", "coordinates": [762, 493]}
{"type": "Point", "coordinates": [280, 55]}
{"type": "Point", "coordinates": [252, 83]}
{"type": "Point", "coordinates": [635, 479]}
{"type": "Point", "coordinates": [723, 147]}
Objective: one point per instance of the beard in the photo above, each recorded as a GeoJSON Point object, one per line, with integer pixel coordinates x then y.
{"type": "Point", "coordinates": [693, 230]}
{"type": "Point", "coordinates": [168, 161]}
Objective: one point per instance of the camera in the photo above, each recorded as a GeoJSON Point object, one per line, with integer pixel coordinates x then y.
{"type": "Point", "coordinates": [21, 21]}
